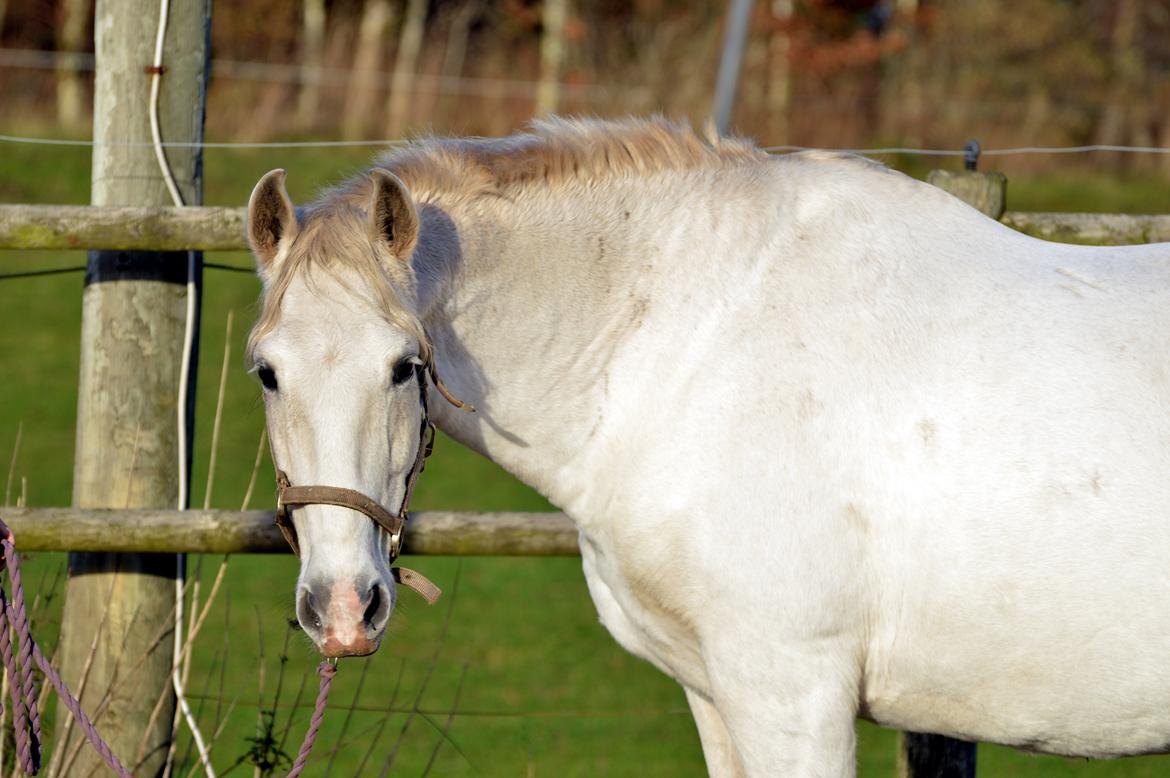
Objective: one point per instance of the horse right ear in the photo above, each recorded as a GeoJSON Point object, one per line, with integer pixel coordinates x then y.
{"type": "Point", "coordinates": [271, 220]}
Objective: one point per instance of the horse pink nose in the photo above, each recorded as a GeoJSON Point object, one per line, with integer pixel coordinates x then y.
{"type": "Point", "coordinates": [341, 621]}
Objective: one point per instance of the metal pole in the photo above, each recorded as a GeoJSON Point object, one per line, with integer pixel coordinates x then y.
{"type": "Point", "coordinates": [727, 82]}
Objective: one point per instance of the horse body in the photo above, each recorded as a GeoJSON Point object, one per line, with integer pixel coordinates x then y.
{"type": "Point", "coordinates": [836, 444]}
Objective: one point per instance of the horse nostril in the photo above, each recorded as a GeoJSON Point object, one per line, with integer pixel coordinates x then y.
{"type": "Point", "coordinates": [377, 607]}
{"type": "Point", "coordinates": [307, 611]}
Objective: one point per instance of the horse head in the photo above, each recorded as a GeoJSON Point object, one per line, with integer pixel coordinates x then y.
{"type": "Point", "coordinates": [341, 354]}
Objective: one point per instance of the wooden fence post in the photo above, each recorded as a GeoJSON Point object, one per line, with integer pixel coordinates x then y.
{"type": "Point", "coordinates": [922, 755]}
{"type": "Point", "coordinates": [118, 616]}
{"type": "Point", "coordinates": [985, 191]}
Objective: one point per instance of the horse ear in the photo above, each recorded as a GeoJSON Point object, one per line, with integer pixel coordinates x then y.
{"type": "Point", "coordinates": [393, 218]}
{"type": "Point", "coordinates": [271, 219]}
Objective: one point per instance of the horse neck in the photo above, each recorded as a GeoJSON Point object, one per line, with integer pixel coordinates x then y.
{"type": "Point", "coordinates": [531, 314]}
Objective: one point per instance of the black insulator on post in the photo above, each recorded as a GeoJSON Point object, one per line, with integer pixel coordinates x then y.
{"type": "Point", "coordinates": [971, 155]}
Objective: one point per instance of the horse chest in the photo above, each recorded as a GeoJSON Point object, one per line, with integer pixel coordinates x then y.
{"type": "Point", "coordinates": [640, 603]}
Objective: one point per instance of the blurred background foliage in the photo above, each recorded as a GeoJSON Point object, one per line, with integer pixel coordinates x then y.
{"type": "Point", "coordinates": [816, 72]}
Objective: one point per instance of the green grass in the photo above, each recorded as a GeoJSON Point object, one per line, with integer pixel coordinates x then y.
{"type": "Point", "coordinates": [544, 689]}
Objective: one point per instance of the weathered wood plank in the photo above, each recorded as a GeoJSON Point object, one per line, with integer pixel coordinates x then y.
{"type": "Point", "coordinates": [224, 532]}
{"type": "Point", "coordinates": [121, 228]}
{"type": "Point", "coordinates": [222, 229]}
{"type": "Point", "coordinates": [985, 191]}
{"type": "Point", "coordinates": [1093, 228]}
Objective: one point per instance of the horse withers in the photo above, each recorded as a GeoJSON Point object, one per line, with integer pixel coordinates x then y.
{"type": "Point", "coordinates": [836, 444]}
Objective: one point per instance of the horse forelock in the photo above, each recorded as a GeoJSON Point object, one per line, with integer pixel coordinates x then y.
{"type": "Point", "coordinates": [333, 238]}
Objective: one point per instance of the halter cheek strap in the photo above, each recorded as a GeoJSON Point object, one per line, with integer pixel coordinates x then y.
{"type": "Point", "coordinates": [289, 496]}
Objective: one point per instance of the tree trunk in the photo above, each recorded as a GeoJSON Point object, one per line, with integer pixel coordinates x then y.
{"type": "Point", "coordinates": [901, 94]}
{"type": "Point", "coordinates": [360, 99]}
{"type": "Point", "coordinates": [70, 38]}
{"type": "Point", "coordinates": [1121, 113]}
{"type": "Point", "coordinates": [405, 65]}
{"type": "Point", "coordinates": [1164, 142]}
{"type": "Point", "coordinates": [455, 55]}
{"type": "Point", "coordinates": [118, 612]}
{"type": "Point", "coordinates": [552, 56]}
{"type": "Point", "coordinates": [312, 60]}
{"type": "Point", "coordinates": [779, 73]}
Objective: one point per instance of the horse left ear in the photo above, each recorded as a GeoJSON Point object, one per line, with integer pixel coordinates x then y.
{"type": "Point", "coordinates": [393, 218]}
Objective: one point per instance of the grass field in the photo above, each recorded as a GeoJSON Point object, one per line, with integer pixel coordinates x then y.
{"type": "Point", "coordinates": [538, 687]}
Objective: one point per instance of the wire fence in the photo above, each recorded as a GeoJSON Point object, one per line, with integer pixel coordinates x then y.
{"type": "Point", "coordinates": [56, 271]}
{"type": "Point", "coordinates": [782, 149]}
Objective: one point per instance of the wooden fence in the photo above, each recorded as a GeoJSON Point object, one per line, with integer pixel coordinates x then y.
{"type": "Point", "coordinates": [222, 229]}
{"type": "Point", "coordinates": [234, 532]}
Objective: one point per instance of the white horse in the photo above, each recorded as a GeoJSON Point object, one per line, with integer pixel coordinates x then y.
{"type": "Point", "coordinates": [837, 445]}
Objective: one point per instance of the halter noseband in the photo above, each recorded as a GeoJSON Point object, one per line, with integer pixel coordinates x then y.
{"type": "Point", "coordinates": [289, 496]}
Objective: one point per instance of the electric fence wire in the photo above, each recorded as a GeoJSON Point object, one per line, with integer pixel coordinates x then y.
{"type": "Point", "coordinates": [782, 149]}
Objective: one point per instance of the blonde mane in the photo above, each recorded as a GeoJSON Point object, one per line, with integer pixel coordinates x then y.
{"type": "Point", "coordinates": [558, 152]}
{"type": "Point", "coordinates": [553, 152]}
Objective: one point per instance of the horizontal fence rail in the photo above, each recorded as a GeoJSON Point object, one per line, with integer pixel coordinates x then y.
{"type": "Point", "coordinates": [195, 228]}
{"type": "Point", "coordinates": [238, 532]}
{"type": "Point", "coordinates": [1100, 228]}
{"type": "Point", "coordinates": [204, 228]}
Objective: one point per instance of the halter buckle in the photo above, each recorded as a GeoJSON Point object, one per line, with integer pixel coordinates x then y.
{"type": "Point", "coordinates": [395, 544]}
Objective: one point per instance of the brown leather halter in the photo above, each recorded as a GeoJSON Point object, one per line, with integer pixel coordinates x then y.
{"type": "Point", "coordinates": [289, 496]}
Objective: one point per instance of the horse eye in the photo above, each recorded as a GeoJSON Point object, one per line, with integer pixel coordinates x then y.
{"type": "Point", "coordinates": [267, 377]}
{"type": "Point", "coordinates": [403, 371]}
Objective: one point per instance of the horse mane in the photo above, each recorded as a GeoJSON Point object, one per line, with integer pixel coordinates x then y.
{"type": "Point", "coordinates": [552, 152]}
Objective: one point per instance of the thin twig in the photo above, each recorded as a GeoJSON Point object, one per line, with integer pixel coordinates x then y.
{"type": "Point", "coordinates": [227, 615]}
{"type": "Point", "coordinates": [12, 462]}
{"type": "Point", "coordinates": [201, 703]}
{"type": "Point", "coordinates": [283, 660]}
{"type": "Point", "coordinates": [292, 712]}
{"type": "Point", "coordinates": [259, 682]}
{"type": "Point", "coordinates": [215, 425]}
{"type": "Point", "coordinates": [255, 468]}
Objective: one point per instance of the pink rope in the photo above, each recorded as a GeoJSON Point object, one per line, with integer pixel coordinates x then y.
{"type": "Point", "coordinates": [326, 670]}
{"type": "Point", "coordinates": [27, 718]}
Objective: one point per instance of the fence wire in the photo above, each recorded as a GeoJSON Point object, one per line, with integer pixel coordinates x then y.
{"type": "Point", "coordinates": [781, 149]}
{"type": "Point", "coordinates": [56, 271]}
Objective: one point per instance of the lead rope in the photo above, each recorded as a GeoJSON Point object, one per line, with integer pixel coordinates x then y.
{"type": "Point", "coordinates": [326, 670]}
{"type": "Point", "coordinates": [26, 717]}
